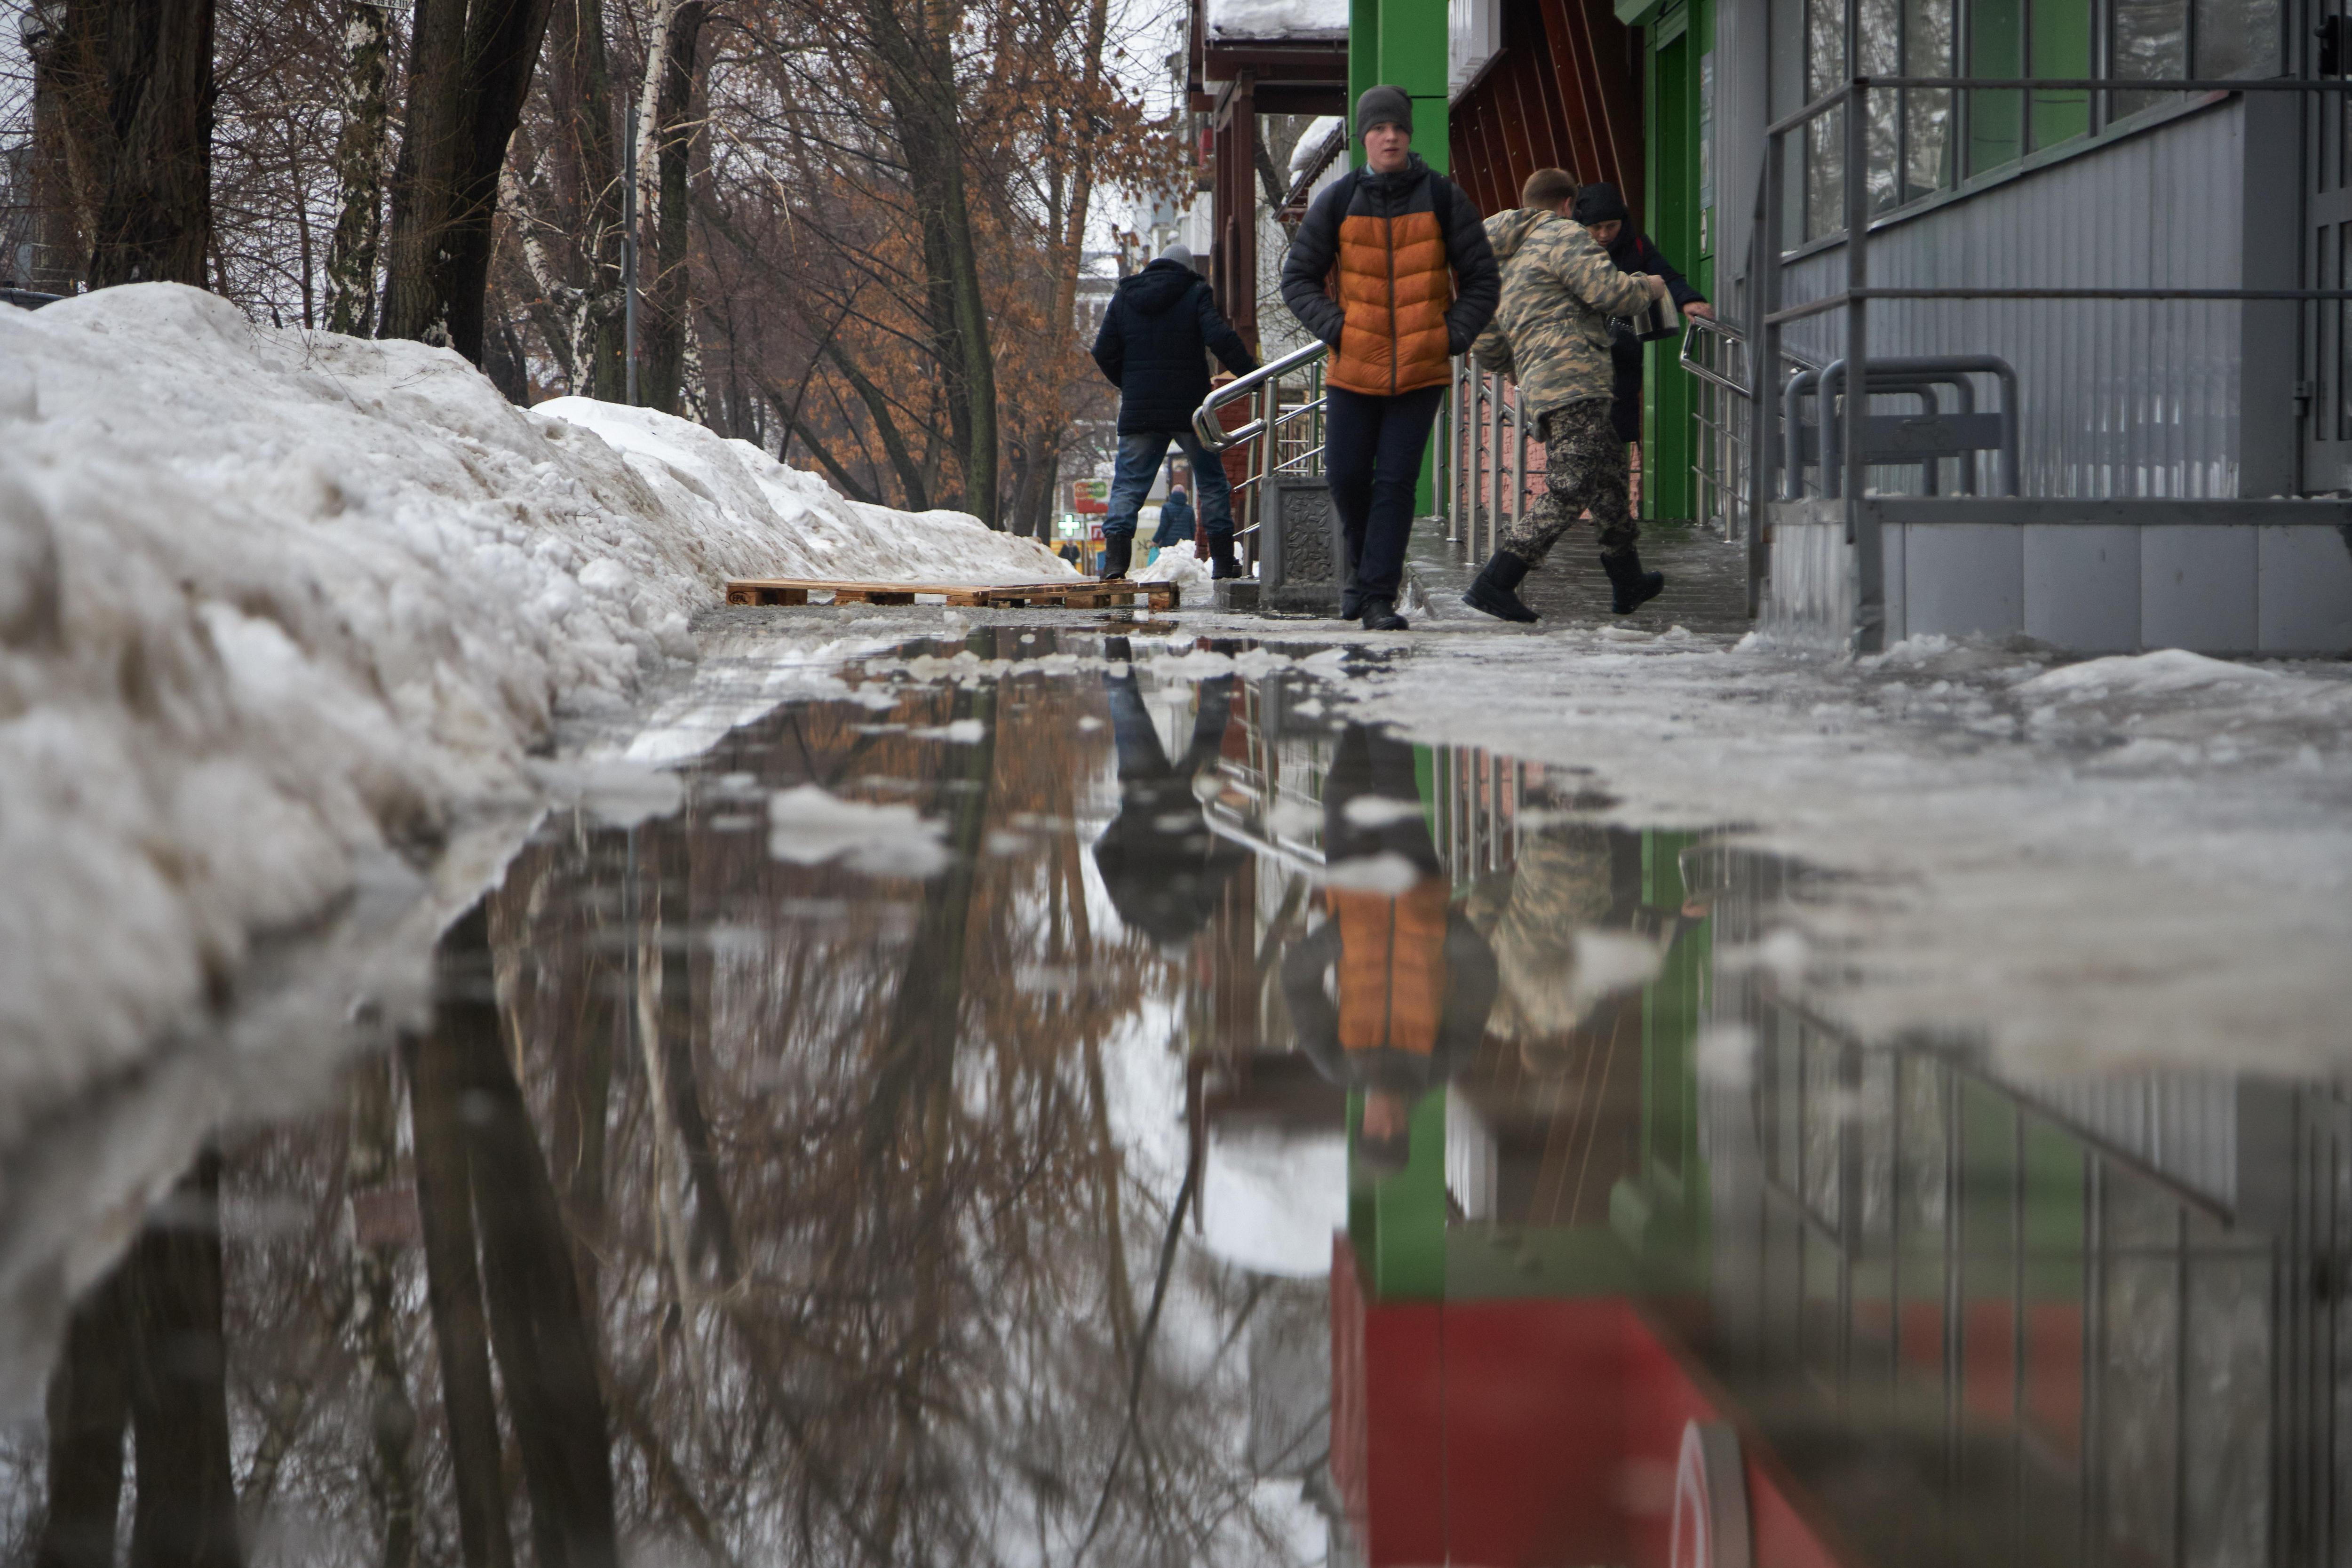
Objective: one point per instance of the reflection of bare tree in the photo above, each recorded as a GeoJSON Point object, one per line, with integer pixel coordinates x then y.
{"type": "Point", "coordinates": [762, 1212]}
{"type": "Point", "coordinates": [146, 1349]}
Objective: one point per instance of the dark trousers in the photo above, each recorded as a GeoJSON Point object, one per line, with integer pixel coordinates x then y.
{"type": "Point", "coordinates": [1372, 448]}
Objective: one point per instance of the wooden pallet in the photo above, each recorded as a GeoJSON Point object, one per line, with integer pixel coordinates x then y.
{"type": "Point", "coordinates": [1082, 594]}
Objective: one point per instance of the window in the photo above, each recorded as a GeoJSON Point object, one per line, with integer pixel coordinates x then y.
{"type": "Point", "coordinates": [1923, 140]}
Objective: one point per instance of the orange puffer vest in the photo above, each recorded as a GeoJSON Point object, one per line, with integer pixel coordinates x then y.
{"type": "Point", "coordinates": [1392, 271]}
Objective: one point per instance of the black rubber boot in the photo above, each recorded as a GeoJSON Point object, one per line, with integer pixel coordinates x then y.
{"type": "Point", "coordinates": [1495, 589]}
{"type": "Point", "coordinates": [1221, 556]}
{"type": "Point", "coordinates": [1351, 598]}
{"type": "Point", "coordinates": [1115, 556]}
{"type": "Point", "coordinates": [1380, 615]}
{"type": "Point", "coordinates": [1634, 586]}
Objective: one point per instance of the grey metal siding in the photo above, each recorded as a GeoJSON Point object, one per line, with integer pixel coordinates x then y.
{"type": "Point", "coordinates": [2119, 397]}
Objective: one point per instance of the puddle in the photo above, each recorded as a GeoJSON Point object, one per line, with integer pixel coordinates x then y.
{"type": "Point", "coordinates": [1071, 1099]}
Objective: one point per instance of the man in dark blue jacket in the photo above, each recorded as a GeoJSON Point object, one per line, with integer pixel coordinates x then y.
{"type": "Point", "coordinates": [1154, 346]}
{"type": "Point", "coordinates": [1601, 210]}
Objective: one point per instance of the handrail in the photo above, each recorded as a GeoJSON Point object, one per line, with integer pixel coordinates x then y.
{"type": "Point", "coordinates": [1216, 438]}
{"type": "Point", "coordinates": [1695, 325]}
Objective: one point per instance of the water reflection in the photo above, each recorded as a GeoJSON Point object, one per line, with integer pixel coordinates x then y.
{"type": "Point", "coordinates": [1239, 1136]}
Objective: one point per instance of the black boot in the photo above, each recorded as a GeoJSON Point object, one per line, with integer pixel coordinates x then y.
{"type": "Point", "coordinates": [1495, 591]}
{"type": "Point", "coordinates": [1115, 555]}
{"type": "Point", "coordinates": [1380, 615]}
{"type": "Point", "coordinates": [1351, 598]}
{"type": "Point", "coordinates": [1221, 556]}
{"type": "Point", "coordinates": [1634, 586]}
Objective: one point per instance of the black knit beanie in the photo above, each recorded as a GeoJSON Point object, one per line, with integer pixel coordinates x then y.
{"type": "Point", "coordinates": [1599, 203]}
{"type": "Point", "coordinates": [1383, 105]}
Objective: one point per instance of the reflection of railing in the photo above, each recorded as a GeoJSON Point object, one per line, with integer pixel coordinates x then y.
{"type": "Point", "coordinates": [1283, 433]}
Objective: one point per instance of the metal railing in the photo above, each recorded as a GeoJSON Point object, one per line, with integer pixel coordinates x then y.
{"type": "Point", "coordinates": [1715, 357]}
{"type": "Point", "coordinates": [1772, 317]}
{"type": "Point", "coordinates": [1482, 474]}
{"type": "Point", "coordinates": [1283, 433]}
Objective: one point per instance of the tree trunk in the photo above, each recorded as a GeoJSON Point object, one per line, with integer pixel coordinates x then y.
{"type": "Point", "coordinates": [453, 1289]}
{"type": "Point", "coordinates": [469, 72]}
{"type": "Point", "coordinates": [358, 168]}
{"type": "Point", "coordinates": [88, 1406]}
{"type": "Point", "coordinates": [671, 138]}
{"type": "Point", "coordinates": [375, 1306]}
{"type": "Point", "coordinates": [918, 78]}
{"type": "Point", "coordinates": [186, 1512]}
{"type": "Point", "coordinates": [135, 83]}
{"type": "Point", "coordinates": [538, 1330]}
{"type": "Point", "coordinates": [580, 90]}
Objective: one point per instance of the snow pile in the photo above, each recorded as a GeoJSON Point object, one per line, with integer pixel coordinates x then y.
{"type": "Point", "coordinates": [1279, 18]}
{"type": "Point", "coordinates": [1174, 563]}
{"type": "Point", "coordinates": [284, 617]}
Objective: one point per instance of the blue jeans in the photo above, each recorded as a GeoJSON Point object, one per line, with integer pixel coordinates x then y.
{"type": "Point", "coordinates": [1372, 448]}
{"type": "Point", "coordinates": [1139, 464]}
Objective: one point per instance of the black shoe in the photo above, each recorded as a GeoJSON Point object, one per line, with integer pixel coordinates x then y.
{"type": "Point", "coordinates": [1380, 615]}
{"type": "Point", "coordinates": [1495, 589]}
{"type": "Point", "coordinates": [1222, 563]}
{"type": "Point", "coordinates": [1115, 553]}
{"type": "Point", "coordinates": [1634, 586]}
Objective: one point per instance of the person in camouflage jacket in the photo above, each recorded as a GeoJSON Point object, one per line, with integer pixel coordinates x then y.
{"type": "Point", "coordinates": [1550, 336]}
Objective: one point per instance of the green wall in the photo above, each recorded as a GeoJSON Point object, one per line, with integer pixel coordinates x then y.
{"type": "Point", "coordinates": [1677, 58]}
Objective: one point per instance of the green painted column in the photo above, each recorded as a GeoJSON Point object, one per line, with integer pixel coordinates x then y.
{"type": "Point", "coordinates": [1404, 43]}
{"type": "Point", "coordinates": [1397, 1224]}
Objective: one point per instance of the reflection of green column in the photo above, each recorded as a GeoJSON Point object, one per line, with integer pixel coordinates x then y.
{"type": "Point", "coordinates": [1404, 43]}
{"type": "Point", "coordinates": [1397, 1225]}
{"type": "Point", "coordinates": [1663, 1214]}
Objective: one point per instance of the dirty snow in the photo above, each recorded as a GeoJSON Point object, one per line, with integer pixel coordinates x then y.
{"type": "Point", "coordinates": [2125, 860]}
{"type": "Point", "coordinates": [285, 618]}
{"type": "Point", "coordinates": [808, 826]}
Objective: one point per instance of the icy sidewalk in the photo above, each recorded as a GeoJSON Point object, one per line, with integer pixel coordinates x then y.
{"type": "Point", "coordinates": [2129, 859]}
{"type": "Point", "coordinates": [286, 616]}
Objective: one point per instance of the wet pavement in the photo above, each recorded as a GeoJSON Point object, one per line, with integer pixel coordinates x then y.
{"type": "Point", "coordinates": [1058, 1096]}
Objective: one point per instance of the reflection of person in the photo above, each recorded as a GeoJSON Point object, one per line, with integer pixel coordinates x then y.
{"type": "Point", "coordinates": [1391, 269]}
{"type": "Point", "coordinates": [1162, 866]}
{"type": "Point", "coordinates": [1390, 994]}
{"type": "Point", "coordinates": [1572, 936]}
{"type": "Point", "coordinates": [1154, 346]}
{"type": "Point", "coordinates": [1551, 336]}
{"type": "Point", "coordinates": [1175, 520]}
{"type": "Point", "coordinates": [1602, 212]}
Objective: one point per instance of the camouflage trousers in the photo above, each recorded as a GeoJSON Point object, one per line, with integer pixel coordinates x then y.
{"type": "Point", "coordinates": [1585, 469]}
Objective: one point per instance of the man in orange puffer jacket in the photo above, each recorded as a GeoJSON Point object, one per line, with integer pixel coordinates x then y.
{"type": "Point", "coordinates": [1390, 268]}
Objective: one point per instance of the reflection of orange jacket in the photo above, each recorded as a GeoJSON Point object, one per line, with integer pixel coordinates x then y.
{"type": "Point", "coordinates": [1392, 967]}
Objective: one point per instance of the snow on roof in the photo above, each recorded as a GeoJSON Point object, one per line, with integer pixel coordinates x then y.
{"type": "Point", "coordinates": [1277, 19]}
{"type": "Point", "coordinates": [1312, 141]}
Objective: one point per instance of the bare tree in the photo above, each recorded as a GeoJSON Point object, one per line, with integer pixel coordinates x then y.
{"type": "Point", "coordinates": [470, 69]}
{"type": "Point", "coordinates": [358, 167]}
{"type": "Point", "coordinates": [135, 82]}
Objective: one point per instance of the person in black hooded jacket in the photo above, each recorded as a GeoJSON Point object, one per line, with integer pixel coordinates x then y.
{"type": "Point", "coordinates": [1602, 212]}
{"type": "Point", "coordinates": [1154, 347]}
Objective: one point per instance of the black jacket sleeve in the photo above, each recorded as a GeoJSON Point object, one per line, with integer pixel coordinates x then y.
{"type": "Point", "coordinates": [1677, 286]}
{"type": "Point", "coordinates": [1110, 344]}
{"type": "Point", "coordinates": [1478, 280]}
{"type": "Point", "coordinates": [1314, 1021]}
{"type": "Point", "coordinates": [1307, 270]}
{"type": "Point", "coordinates": [1219, 334]}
